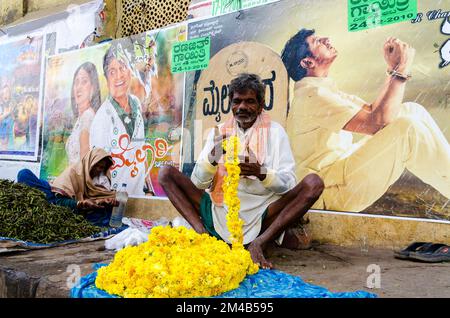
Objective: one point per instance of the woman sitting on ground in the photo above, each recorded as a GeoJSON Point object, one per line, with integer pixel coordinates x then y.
{"type": "Point", "coordinates": [84, 186]}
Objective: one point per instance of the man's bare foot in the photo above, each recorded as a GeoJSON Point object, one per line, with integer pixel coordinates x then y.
{"type": "Point", "coordinates": [256, 252]}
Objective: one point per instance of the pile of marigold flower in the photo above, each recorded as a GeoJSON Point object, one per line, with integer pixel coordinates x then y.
{"type": "Point", "coordinates": [177, 262]}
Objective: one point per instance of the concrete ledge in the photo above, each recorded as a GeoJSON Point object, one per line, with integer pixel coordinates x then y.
{"type": "Point", "coordinates": [151, 209]}
{"type": "Point", "coordinates": [344, 229]}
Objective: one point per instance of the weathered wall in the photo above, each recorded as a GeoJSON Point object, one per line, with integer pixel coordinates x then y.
{"type": "Point", "coordinates": [36, 5]}
{"type": "Point", "coordinates": [14, 12]}
{"type": "Point", "coordinates": [124, 17]}
{"type": "Point", "coordinates": [136, 16]}
{"type": "Point", "coordinates": [365, 231]}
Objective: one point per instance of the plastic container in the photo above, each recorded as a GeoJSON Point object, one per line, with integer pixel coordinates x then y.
{"type": "Point", "coordinates": [119, 211]}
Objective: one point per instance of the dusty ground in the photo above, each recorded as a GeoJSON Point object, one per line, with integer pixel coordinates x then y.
{"type": "Point", "coordinates": [346, 269]}
{"type": "Point", "coordinates": [45, 273]}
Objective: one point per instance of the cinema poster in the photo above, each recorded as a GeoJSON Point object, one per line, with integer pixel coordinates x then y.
{"type": "Point", "coordinates": [366, 104]}
{"type": "Point", "coordinates": [21, 74]}
{"type": "Point", "coordinates": [119, 96]}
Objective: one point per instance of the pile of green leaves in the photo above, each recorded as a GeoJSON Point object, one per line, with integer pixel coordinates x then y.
{"type": "Point", "coordinates": [26, 215]}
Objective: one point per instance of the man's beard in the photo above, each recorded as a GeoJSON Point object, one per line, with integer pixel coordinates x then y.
{"type": "Point", "coordinates": [249, 118]}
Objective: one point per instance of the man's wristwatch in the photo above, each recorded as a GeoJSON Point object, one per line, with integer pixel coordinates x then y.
{"type": "Point", "coordinates": [397, 74]}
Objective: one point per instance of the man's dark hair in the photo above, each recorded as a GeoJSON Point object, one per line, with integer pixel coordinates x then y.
{"type": "Point", "coordinates": [107, 58]}
{"type": "Point", "coordinates": [115, 51]}
{"type": "Point", "coordinates": [245, 82]}
{"type": "Point", "coordinates": [295, 50]}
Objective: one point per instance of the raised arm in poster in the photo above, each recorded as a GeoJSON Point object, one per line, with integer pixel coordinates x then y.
{"type": "Point", "coordinates": [369, 110]}
{"type": "Point", "coordinates": [120, 97]}
{"type": "Point", "coordinates": [20, 88]}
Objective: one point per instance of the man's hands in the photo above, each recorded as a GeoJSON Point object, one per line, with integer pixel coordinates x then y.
{"type": "Point", "coordinates": [398, 55]}
{"type": "Point", "coordinates": [249, 164]}
{"type": "Point", "coordinates": [251, 167]}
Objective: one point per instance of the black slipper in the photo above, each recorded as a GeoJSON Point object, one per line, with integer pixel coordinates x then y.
{"type": "Point", "coordinates": [414, 247]}
{"type": "Point", "coordinates": [436, 253]}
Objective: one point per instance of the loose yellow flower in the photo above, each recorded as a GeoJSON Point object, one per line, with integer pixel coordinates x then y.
{"type": "Point", "coordinates": [176, 262]}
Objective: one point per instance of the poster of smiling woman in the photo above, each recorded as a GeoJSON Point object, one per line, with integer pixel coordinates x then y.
{"type": "Point", "coordinates": [119, 96]}
{"type": "Point", "coordinates": [73, 93]}
{"type": "Point", "coordinates": [20, 98]}
{"type": "Point", "coordinates": [368, 105]}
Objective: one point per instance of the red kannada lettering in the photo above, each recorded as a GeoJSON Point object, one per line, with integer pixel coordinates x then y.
{"type": "Point", "coordinates": [158, 150]}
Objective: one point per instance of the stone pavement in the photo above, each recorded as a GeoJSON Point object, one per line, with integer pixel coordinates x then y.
{"type": "Point", "coordinates": [49, 272]}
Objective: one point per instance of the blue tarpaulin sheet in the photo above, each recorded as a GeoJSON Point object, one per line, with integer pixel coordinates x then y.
{"type": "Point", "coordinates": [264, 284]}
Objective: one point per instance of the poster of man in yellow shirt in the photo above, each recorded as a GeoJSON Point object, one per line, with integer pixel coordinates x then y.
{"type": "Point", "coordinates": [373, 128]}
{"type": "Point", "coordinates": [401, 135]}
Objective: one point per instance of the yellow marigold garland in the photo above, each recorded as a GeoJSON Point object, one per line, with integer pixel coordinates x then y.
{"type": "Point", "coordinates": [230, 185]}
{"type": "Point", "coordinates": [177, 262]}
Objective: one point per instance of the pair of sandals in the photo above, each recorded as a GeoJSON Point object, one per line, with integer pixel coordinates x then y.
{"type": "Point", "coordinates": [425, 252]}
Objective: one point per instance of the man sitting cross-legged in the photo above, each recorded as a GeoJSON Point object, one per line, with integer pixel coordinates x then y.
{"type": "Point", "coordinates": [271, 201]}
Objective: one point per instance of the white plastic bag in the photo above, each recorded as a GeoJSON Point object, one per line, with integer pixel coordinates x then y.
{"type": "Point", "coordinates": [130, 236]}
